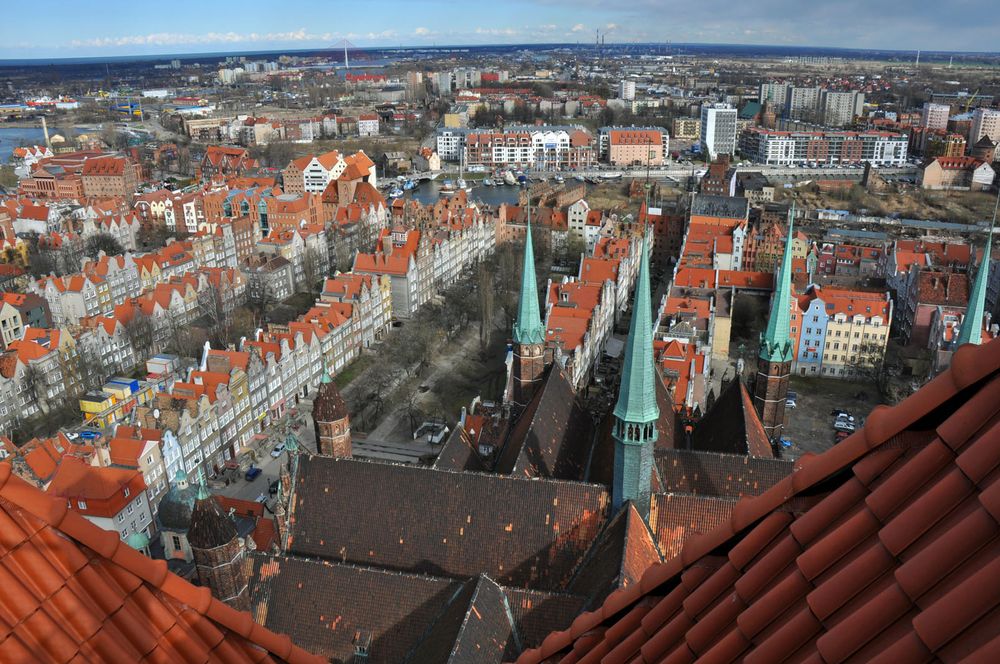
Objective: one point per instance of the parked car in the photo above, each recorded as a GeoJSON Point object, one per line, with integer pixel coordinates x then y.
{"type": "Point", "coordinates": [72, 435]}
{"type": "Point", "coordinates": [844, 423]}
{"type": "Point", "coordinates": [791, 400]}
{"type": "Point", "coordinates": [252, 473]}
{"type": "Point", "coordinates": [90, 435]}
{"type": "Point", "coordinates": [278, 449]}
{"type": "Point", "coordinates": [836, 412]}
{"type": "Point", "coordinates": [272, 488]}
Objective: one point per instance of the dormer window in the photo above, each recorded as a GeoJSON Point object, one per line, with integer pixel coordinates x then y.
{"type": "Point", "coordinates": [82, 504]}
{"type": "Point", "coordinates": [126, 492]}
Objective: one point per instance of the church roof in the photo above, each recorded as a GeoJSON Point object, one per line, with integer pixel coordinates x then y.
{"type": "Point", "coordinates": [475, 627]}
{"type": "Point", "coordinates": [884, 548]}
{"type": "Point", "coordinates": [618, 558]}
{"type": "Point", "coordinates": [553, 436]}
{"type": "Point", "coordinates": [409, 617]}
{"type": "Point", "coordinates": [732, 426]}
{"type": "Point", "coordinates": [329, 405]}
{"type": "Point", "coordinates": [75, 592]}
{"type": "Point", "coordinates": [210, 526]}
{"type": "Point", "coordinates": [459, 453]}
{"type": "Point", "coordinates": [714, 474]}
{"type": "Point", "coordinates": [446, 523]}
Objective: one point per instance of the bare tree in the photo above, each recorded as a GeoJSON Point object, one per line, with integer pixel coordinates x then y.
{"type": "Point", "coordinates": [312, 264]}
{"type": "Point", "coordinates": [140, 334]}
{"type": "Point", "coordinates": [103, 242]}
{"type": "Point", "coordinates": [33, 379]}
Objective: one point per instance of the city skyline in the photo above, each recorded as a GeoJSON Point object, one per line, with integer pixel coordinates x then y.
{"type": "Point", "coordinates": [116, 32]}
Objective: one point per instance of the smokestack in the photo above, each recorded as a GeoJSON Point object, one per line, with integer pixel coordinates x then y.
{"type": "Point", "coordinates": [45, 130]}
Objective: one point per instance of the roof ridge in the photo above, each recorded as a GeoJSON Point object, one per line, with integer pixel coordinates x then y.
{"type": "Point", "coordinates": [108, 544]}
{"type": "Point", "coordinates": [970, 365]}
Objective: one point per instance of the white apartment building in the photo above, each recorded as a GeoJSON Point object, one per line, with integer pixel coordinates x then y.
{"type": "Point", "coordinates": [718, 129]}
{"type": "Point", "coordinates": [935, 116]}
{"type": "Point", "coordinates": [451, 143]}
{"type": "Point", "coordinates": [838, 109]}
{"type": "Point", "coordinates": [985, 122]}
{"type": "Point", "coordinates": [783, 148]}
{"type": "Point", "coordinates": [626, 90]}
{"type": "Point", "coordinates": [802, 103]}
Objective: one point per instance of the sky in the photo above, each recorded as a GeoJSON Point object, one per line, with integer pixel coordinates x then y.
{"type": "Point", "coordinates": [83, 28]}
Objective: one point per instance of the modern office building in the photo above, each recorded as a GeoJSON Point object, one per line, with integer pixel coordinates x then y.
{"type": "Point", "coordinates": [718, 129]}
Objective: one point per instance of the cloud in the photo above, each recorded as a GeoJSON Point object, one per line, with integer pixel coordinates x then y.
{"type": "Point", "coordinates": [610, 27]}
{"type": "Point", "coordinates": [579, 27]}
{"type": "Point", "coordinates": [421, 32]}
{"type": "Point", "coordinates": [180, 38]}
{"type": "Point", "coordinates": [497, 32]}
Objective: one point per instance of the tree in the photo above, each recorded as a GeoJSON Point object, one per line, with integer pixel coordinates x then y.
{"type": "Point", "coordinates": [868, 364]}
{"type": "Point", "coordinates": [312, 265]}
{"type": "Point", "coordinates": [486, 301]}
{"type": "Point", "coordinates": [8, 180]}
{"type": "Point", "coordinates": [182, 339]}
{"type": "Point", "coordinates": [102, 242]}
{"type": "Point", "coordinates": [33, 379]}
{"type": "Point", "coordinates": [115, 139]}
{"type": "Point", "coordinates": [140, 334]}
{"type": "Point", "coordinates": [219, 321]}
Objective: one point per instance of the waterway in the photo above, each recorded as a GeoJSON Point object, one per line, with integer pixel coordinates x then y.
{"type": "Point", "coordinates": [429, 191]}
{"type": "Point", "coordinates": [12, 137]}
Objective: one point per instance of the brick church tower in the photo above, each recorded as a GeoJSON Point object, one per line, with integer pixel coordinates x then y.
{"type": "Point", "coordinates": [529, 333]}
{"type": "Point", "coordinates": [774, 360]}
{"type": "Point", "coordinates": [331, 420]}
{"type": "Point", "coordinates": [218, 552]}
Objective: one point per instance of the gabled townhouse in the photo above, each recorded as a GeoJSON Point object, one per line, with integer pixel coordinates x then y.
{"type": "Point", "coordinates": [371, 297]}
{"type": "Point", "coordinates": [137, 448]}
{"type": "Point", "coordinates": [124, 228]}
{"type": "Point", "coordinates": [19, 311]}
{"type": "Point", "coordinates": [74, 297]}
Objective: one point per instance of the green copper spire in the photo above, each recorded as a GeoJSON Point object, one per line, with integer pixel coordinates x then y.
{"type": "Point", "coordinates": [637, 393]}
{"type": "Point", "coordinates": [636, 412]}
{"type": "Point", "coordinates": [971, 331]}
{"type": "Point", "coordinates": [775, 342]}
{"type": "Point", "coordinates": [528, 327]}
{"type": "Point", "coordinates": [203, 490]}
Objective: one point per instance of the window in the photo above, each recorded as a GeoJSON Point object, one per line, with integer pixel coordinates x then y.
{"type": "Point", "coordinates": [124, 533]}
{"type": "Point", "coordinates": [121, 517]}
{"type": "Point", "coordinates": [82, 504]}
{"type": "Point", "coordinates": [129, 509]}
{"type": "Point", "coordinates": [126, 492]}
{"type": "Point", "coordinates": [133, 525]}
{"type": "Point", "coordinates": [177, 542]}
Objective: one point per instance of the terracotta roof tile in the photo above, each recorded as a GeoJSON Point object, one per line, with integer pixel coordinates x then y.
{"type": "Point", "coordinates": [885, 548]}
{"type": "Point", "coordinates": [74, 592]}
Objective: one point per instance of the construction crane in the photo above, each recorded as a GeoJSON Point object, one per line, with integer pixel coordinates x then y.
{"type": "Point", "coordinates": [972, 98]}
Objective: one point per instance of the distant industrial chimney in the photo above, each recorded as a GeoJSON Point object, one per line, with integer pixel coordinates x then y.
{"type": "Point", "coordinates": [45, 130]}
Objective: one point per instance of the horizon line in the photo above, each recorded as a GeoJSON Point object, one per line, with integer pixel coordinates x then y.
{"type": "Point", "coordinates": [410, 47]}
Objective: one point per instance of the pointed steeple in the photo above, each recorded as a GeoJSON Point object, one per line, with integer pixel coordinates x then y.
{"type": "Point", "coordinates": [637, 393]}
{"type": "Point", "coordinates": [636, 412]}
{"type": "Point", "coordinates": [775, 342]}
{"type": "Point", "coordinates": [971, 331]}
{"type": "Point", "coordinates": [528, 327]}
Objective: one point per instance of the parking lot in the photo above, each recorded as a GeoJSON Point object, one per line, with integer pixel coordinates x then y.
{"type": "Point", "coordinates": [810, 425]}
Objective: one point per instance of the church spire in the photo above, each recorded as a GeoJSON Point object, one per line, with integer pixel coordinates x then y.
{"type": "Point", "coordinates": [636, 411]}
{"type": "Point", "coordinates": [775, 342]}
{"type": "Point", "coordinates": [637, 393]}
{"type": "Point", "coordinates": [971, 331]}
{"type": "Point", "coordinates": [528, 326]}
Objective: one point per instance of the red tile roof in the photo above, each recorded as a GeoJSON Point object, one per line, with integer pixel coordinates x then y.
{"type": "Point", "coordinates": [73, 591]}
{"type": "Point", "coordinates": [885, 548]}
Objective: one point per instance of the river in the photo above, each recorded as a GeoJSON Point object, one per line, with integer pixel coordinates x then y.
{"type": "Point", "coordinates": [428, 191]}
{"type": "Point", "coordinates": [12, 137]}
